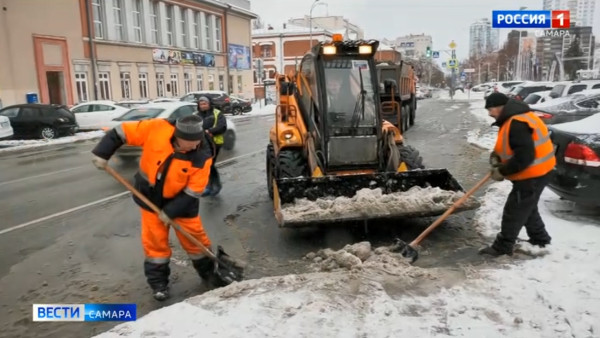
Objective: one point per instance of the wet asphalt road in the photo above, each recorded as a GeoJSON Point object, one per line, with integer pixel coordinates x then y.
{"type": "Point", "coordinates": [93, 254]}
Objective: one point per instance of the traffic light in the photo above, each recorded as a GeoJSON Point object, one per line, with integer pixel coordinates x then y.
{"type": "Point", "coordinates": [428, 53]}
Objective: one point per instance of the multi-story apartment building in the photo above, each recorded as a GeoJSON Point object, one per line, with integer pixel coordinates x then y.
{"type": "Point", "coordinates": [411, 46]}
{"type": "Point", "coordinates": [551, 49]}
{"type": "Point", "coordinates": [128, 49]}
{"type": "Point", "coordinates": [582, 12]}
{"type": "Point", "coordinates": [483, 39]}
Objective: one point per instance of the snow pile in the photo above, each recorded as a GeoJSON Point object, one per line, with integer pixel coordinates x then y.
{"type": "Point", "coordinates": [257, 110]}
{"type": "Point", "coordinates": [372, 293]}
{"type": "Point", "coordinates": [13, 145]}
{"type": "Point", "coordinates": [485, 140]}
{"type": "Point", "coordinates": [373, 202]}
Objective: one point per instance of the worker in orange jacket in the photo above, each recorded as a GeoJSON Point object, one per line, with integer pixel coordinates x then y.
{"type": "Point", "coordinates": [524, 154]}
{"type": "Point", "coordinates": [173, 172]}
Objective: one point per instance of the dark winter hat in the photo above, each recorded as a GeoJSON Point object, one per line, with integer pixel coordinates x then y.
{"type": "Point", "coordinates": [189, 128]}
{"type": "Point", "coordinates": [203, 98]}
{"type": "Point", "coordinates": [496, 100]}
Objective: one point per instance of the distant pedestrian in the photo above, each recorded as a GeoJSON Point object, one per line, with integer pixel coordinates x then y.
{"type": "Point", "coordinates": [215, 125]}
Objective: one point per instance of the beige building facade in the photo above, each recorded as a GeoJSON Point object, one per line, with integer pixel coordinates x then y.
{"type": "Point", "coordinates": [142, 49]}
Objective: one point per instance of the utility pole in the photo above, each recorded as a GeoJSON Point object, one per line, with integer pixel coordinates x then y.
{"type": "Point", "coordinates": [479, 75]}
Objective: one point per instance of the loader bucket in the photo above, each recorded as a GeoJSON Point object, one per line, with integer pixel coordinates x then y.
{"type": "Point", "coordinates": [305, 201]}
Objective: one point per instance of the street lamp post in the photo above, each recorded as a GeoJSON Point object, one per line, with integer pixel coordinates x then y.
{"type": "Point", "coordinates": [315, 4]}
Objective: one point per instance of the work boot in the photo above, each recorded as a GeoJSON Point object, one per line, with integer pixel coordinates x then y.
{"type": "Point", "coordinates": [160, 292]}
{"type": "Point", "coordinates": [539, 243]}
{"type": "Point", "coordinates": [205, 268]}
{"type": "Point", "coordinates": [488, 250]}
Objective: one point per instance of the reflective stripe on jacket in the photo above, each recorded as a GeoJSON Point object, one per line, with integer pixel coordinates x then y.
{"type": "Point", "coordinates": [544, 160]}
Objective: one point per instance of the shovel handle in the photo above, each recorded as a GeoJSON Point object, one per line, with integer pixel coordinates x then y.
{"type": "Point", "coordinates": [450, 210]}
{"type": "Point", "coordinates": [154, 208]}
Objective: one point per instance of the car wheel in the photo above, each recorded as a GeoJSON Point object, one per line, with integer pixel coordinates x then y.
{"type": "Point", "coordinates": [48, 133]}
{"type": "Point", "coordinates": [237, 111]}
{"type": "Point", "coordinates": [229, 140]}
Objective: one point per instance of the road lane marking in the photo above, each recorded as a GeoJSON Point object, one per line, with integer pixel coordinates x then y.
{"type": "Point", "coordinates": [105, 199]}
{"type": "Point", "coordinates": [64, 212]}
{"type": "Point", "coordinates": [43, 175]}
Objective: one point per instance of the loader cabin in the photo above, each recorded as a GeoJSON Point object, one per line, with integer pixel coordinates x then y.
{"type": "Point", "coordinates": [338, 97]}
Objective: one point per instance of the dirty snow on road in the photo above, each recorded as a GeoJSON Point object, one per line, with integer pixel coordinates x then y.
{"type": "Point", "coordinates": [484, 137]}
{"type": "Point", "coordinates": [358, 291]}
{"type": "Point", "coordinates": [373, 202]}
{"type": "Point", "coordinates": [15, 145]}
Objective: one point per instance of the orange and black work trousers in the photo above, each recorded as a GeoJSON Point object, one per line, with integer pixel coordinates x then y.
{"type": "Point", "coordinates": [155, 241]}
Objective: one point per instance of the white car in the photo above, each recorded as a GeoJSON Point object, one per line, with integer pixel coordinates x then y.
{"type": "Point", "coordinates": [96, 114]}
{"type": "Point", "coordinates": [6, 130]}
{"type": "Point", "coordinates": [163, 110]}
{"type": "Point", "coordinates": [538, 97]}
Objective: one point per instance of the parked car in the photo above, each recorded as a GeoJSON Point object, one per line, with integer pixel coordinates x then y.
{"type": "Point", "coordinates": [240, 106]}
{"type": "Point", "coordinates": [163, 110]}
{"type": "Point", "coordinates": [45, 121]}
{"type": "Point", "coordinates": [164, 99]}
{"type": "Point", "coordinates": [481, 87]}
{"type": "Point", "coordinates": [577, 172]}
{"type": "Point", "coordinates": [219, 99]}
{"type": "Point", "coordinates": [6, 130]}
{"type": "Point", "coordinates": [132, 103]}
{"type": "Point", "coordinates": [93, 115]}
{"type": "Point", "coordinates": [537, 97]}
{"type": "Point", "coordinates": [567, 88]}
{"type": "Point", "coordinates": [502, 87]}
{"type": "Point", "coordinates": [520, 91]}
{"type": "Point", "coordinates": [569, 108]}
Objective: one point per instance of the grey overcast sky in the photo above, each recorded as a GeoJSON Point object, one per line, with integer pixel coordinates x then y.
{"type": "Point", "coordinates": [444, 20]}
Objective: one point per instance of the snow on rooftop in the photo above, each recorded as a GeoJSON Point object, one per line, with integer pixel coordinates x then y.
{"type": "Point", "coordinates": [289, 29]}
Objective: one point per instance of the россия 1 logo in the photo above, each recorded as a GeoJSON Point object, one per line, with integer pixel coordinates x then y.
{"type": "Point", "coordinates": [531, 19]}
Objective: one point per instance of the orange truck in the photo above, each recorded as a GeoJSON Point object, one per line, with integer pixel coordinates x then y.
{"type": "Point", "coordinates": [397, 84]}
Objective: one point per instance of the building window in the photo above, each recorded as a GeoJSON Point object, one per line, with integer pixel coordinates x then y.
{"type": "Point", "coordinates": [137, 20]}
{"type": "Point", "coordinates": [81, 84]}
{"type": "Point", "coordinates": [118, 19]}
{"type": "Point", "coordinates": [154, 36]}
{"type": "Point", "coordinates": [199, 82]}
{"type": "Point", "coordinates": [143, 79]}
{"type": "Point", "coordinates": [239, 84]}
{"type": "Point", "coordinates": [125, 85]}
{"type": "Point", "coordinates": [169, 20]}
{"type": "Point", "coordinates": [266, 51]}
{"type": "Point", "coordinates": [183, 25]}
{"type": "Point", "coordinates": [196, 31]}
{"type": "Point", "coordinates": [207, 31]}
{"type": "Point", "coordinates": [174, 85]}
{"type": "Point", "coordinates": [187, 83]}
{"type": "Point", "coordinates": [218, 34]}
{"type": "Point", "coordinates": [211, 82]}
{"type": "Point", "coordinates": [221, 82]}
{"type": "Point", "coordinates": [104, 84]}
{"type": "Point", "coordinates": [98, 18]}
{"type": "Point", "coordinates": [160, 84]}
{"type": "Point", "coordinates": [230, 83]}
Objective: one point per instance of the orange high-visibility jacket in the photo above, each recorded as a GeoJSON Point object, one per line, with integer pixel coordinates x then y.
{"type": "Point", "coordinates": [166, 177]}
{"type": "Point", "coordinates": [544, 160]}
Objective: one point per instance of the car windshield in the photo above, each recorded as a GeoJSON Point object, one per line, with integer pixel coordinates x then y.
{"type": "Point", "coordinates": [344, 99]}
{"type": "Point", "coordinates": [532, 98]}
{"type": "Point", "coordinates": [138, 114]}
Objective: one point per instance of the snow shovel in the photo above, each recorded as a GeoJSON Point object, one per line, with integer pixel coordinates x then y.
{"type": "Point", "coordinates": [225, 273]}
{"type": "Point", "coordinates": [409, 250]}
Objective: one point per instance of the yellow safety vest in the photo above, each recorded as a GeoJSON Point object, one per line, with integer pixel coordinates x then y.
{"type": "Point", "coordinates": [219, 139]}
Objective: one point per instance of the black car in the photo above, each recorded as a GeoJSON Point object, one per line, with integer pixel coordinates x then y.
{"type": "Point", "coordinates": [240, 106]}
{"type": "Point", "coordinates": [569, 108]}
{"type": "Point", "coordinates": [577, 172]}
{"type": "Point", "coordinates": [45, 121]}
{"type": "Point", "coordinates": [219, 99]}
{"type": "Point", "coordinates": [520, 91]}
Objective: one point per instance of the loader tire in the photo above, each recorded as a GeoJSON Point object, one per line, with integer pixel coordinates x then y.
{"type": "Point", "coordinates": [411, 157]}
{"type": "Point", "coordinates": [270, 168]}
{"type": "Point", "coordinates": [291, 163]}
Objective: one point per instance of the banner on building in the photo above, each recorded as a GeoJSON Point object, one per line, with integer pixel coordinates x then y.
{"type": "Point", "coordinates": [175, 57]}
{"type": "Point", "coordinates": [239, 57]}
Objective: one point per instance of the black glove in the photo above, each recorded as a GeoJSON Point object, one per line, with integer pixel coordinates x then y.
{"type": "Point", "coordinates": [496, 175]}
{"type": "Point", "coordinates": [495, 160]}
